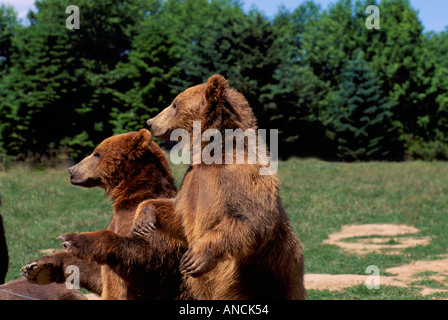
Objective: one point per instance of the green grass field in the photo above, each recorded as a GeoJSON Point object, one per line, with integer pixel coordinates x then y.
{"type": "Point", "coordinates": [320, 198]}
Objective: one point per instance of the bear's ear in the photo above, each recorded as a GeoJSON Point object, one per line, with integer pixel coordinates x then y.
{"type": "Point", "coordinates": [140, 143]}
{"type": "Point", "coordinates": [215, 87]}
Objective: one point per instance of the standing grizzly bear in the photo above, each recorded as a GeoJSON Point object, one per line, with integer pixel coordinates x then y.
{"type": "Point", "coordinates": [131, 168]}
{"type": "Point", "coordinates": [241, 243]}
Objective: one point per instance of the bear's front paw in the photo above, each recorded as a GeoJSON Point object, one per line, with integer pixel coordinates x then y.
{"type": "Point", "coordinates": [196, 264]}
{"type": "Point", "coordinates": [144, 221]}
{"type": "Point", "coordinates": [77, 245]}
{"type": "Point", "coordinates": [42, 271]}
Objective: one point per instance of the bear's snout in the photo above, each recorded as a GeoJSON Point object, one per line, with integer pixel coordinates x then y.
{"type": "Point", "coordinates": [149, 123]}
{"type": "Point", "coordinates": [71, 170]}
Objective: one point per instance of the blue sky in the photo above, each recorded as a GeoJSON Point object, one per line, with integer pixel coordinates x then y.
{"type": "Point", "coordinates": [432, 13]}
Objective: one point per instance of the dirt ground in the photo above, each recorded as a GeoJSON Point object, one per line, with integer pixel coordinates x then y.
{"type": "Point", "coordinates": [387, 239]}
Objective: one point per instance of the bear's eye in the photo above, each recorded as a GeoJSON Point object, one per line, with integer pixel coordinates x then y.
{"type": "Point", "coordinates": [174, 105]}
{"type": "Point", "coordinates": [96, 154]}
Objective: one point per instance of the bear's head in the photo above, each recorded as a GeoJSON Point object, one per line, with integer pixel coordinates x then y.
{"type": "Point", "coordinates": [213, 103]}
{"type": "Point", "coordinates": [110, 161]}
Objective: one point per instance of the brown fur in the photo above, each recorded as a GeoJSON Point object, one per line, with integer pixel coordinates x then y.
{"type": "Point", "coordinates": [241, 243]}
{"type": "Point", "coordinates": [22, 289]}
{"type": "Point", "coordinates": [131, 168]}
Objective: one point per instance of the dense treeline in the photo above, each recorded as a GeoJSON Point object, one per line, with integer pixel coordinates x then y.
{"type": "Point", "coordinates": [332, 87]}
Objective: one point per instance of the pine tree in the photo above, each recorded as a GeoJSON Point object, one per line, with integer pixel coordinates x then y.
{"type": "Point", "coordinates": [361, 118]}
{"type": "Point", "coordinates": [9, 27]}
{"type": "Point", "coordinates": [294, 92]}
{"type": "Point", "coordinates": [161, 56]}
{"type": "Point", "coordinates": [393, 53]}
{"type": "Point", "coordinates": [240, 48]}
{"type": "Point", "coordinates": [58, 91]}
{"type": "Point", "coordinates": [429, 139]}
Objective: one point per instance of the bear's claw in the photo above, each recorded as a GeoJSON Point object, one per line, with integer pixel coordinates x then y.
{"type": "Point", "coordinates": [144, 221]}
{"type": "Point", "coordinates": [142, 230]}
{"type": "Point", "coordinates": [41, 273]}
{"type": "Point", "coordinates": [196, 264]}
{"type": "Point", "coordinates": [28, 269]}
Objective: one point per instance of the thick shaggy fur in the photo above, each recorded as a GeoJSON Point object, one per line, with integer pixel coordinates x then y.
{"type": "Point", "coordinates": [131, 168]}
{"type": "Point", "coordinates": [241, 243]}
{"type": "Point", "coordinates": [22, 289]}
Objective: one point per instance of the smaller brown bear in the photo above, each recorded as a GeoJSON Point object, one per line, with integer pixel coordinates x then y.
{"type": "Point", "coordinates": [241, 242]}
{"type": "Point", "coordinates": [131, 168]}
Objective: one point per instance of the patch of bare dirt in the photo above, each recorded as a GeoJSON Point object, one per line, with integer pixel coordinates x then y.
{"type": "Point", "coordinates": [389, 238]}
{"type": "Point", "coordinates": [402, 276]}
{"type": "Point", "coordinates": [51, 251]}
{"type": "Point", "coordinates": [383, 238]}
